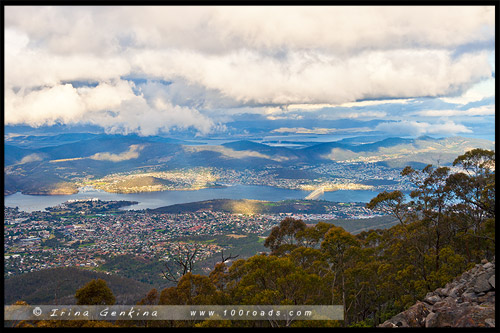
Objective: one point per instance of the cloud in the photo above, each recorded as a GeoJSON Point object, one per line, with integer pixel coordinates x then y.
{"type": "Point", "coordinates": [486, 110]}
{"type": "Point", "coordinates": [416, 128]}
{"type": "Point", "coordinates": [302, 130]}
{"type": "Point", "coordinates": [32, 158]}
{"type": "Point", "coordinates": [374, 102]}
{"type": "Point", "coordinates": [231, 153]}
{"type": "Point", "coordinates": [230, 58]}
{"type": "Point", "coordinates": [354, 115]}
{"type": "Point", "coordinates": [132, 153]}
{"type": "Point", "coordinates": [254, 79]}
{"type": "Point", "coordinates": [480, 91]}
{"type": "Point", "coordinates": [46, 106]}
{"type": "Point", "coordinates": [217, 29]}
{"type": "Point", "coordinates": [113, 106]}
{"type": "Point", "coordinates": [28, 66]}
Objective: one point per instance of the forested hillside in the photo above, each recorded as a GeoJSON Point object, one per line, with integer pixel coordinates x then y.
{"type": "Point", "coordinates": [58, 286]}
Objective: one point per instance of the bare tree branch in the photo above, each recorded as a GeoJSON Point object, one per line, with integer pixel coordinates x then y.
{"type": "Point", "coordinates": [227, 258]}
{"type": "Point", "coordinates": [184, 258]}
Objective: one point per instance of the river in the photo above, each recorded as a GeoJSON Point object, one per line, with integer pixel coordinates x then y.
{"type": "Point", "coordinates": [30, 203]}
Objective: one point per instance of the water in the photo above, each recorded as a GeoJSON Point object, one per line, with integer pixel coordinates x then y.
{"type": "Point", "coordinates": [30, 203]}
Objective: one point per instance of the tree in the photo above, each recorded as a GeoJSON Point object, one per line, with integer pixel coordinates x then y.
{"type": "Point", "coordinates": [96, 292]}
{"type": "Point", "coordinates": [282, 238]}
{"type": "Point", "coordinates": [392, 203]}
{"type": "Point", "coordinates": [340, 246]}
{"type": "Point", "coordinates": [151, 298]}
{"type": "Point", "coordinates": [431, 199]}
{"type": "Point", "coordinates": [184, 258]}
{"type": "Point", "coordinates": [473, 188]}
{"type": "Point", "coordinates": [314, 235]}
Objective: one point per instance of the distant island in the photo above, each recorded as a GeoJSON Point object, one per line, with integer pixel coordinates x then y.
{"type": "Point", "coordinates": [89, 206]}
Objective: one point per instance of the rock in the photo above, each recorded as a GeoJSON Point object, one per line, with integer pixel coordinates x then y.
{"type": "Point", "coordinates": [413, 317]}
{"type": "Point", "coordinates": [444, 305]}
{"type": "Point", "coordinates": [442, 292]}
{"type": "Point", "coordinates": [387, 324]}
{"type": "Point", "coordinates": [439, 319]}
{"type": "Point", "coordinates": [482, 284]}
{"type": "Point", "coordinates": [491, 281]}
{"type": "Point", "coordinates": [468, 301]}
{"type": "Point", "coordinates": [417, 314]}
{"type": "Point", "coordinates": [475, 316]}
{"type": "Point", "coordinates": [456, 291]}
{"type": "Point", "coordinates": [469, 297]}
{"type": "Point", "coordinates": [488, 298]}
{"type": "Point", "coordinates": [431, 319]}
{"type": "Point", "coordinates": [490, 322]}
{"type": "Point", "coordinates": [431, 299]}
{"type": "Point", "coordinates": [397, 321]}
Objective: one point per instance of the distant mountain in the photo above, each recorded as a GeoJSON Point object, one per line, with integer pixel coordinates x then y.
{"type": "Point", "coordinates": [13, 154]}
{"type": "Point", "coordinates": [88, 147]}
{"type": "Point", "coordinates": [59, 285]}
{"type": "Point", "coordinates": [399, 152]}
{"type": "Point", "coordinates": [247, 145]}
{"type": "Point", "coordinates": [53, 168]}
{"type": "Point", "coordinates": [41, 141]}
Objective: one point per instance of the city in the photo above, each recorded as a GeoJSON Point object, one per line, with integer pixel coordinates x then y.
{"type": "Point", "coordinates": [40, 240]}
{"type": "Point", "coordinates": [331, 177]}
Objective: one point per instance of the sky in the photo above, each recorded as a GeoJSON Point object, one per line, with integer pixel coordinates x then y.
{"type": "Point", "coordinates": [396, 70]}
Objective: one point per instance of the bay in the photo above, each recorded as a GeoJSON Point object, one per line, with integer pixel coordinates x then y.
{"type": "Point", "coordinates": [30, 203]}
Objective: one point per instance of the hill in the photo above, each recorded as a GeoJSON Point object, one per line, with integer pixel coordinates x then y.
{"type": "Point", "coordinates": [251, 207]}
{"type": "Point", "coordinates": [59, 285]}
{"type": "Point", "coordinates": [138, 184]}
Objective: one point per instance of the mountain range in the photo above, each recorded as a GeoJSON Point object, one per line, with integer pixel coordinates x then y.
{"type": "Point", "coordinates": [52, 164]}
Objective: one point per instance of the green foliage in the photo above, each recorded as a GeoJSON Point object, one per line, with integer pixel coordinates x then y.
{"type": "Point", "coordinates": [96, 292]}
{"type": "Point", "coordinates": [283, 238]}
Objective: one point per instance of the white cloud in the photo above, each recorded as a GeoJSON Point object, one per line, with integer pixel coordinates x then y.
{"type": "Point", "coordinates": [27, 66]}
{"type": "Point", "coordinates": [231, 153]}
{"type": "Point", "coordinates": [46, 106]}
{"type": "Point", "coordinates": [114, 106]}
{"type": "Point", "coordinates": [374, 102]}
{"type": "Point", "coordinates": [363, 115]}
{"type": "Point", "coordinates": [233, 57]}
{"type": "Point", "coordinates": [476, 93]}
{"type": "Point", "coordinates": [302, 130]}
{"type": "Point", "coordinates": [32, 158]}
{"type": "Point", "coordinates": [132, 153]}
{"type": "Point", "coordinates": [214, 29]}
{"type": "Point", "coordinates": [416, 128]}
{"type": "Point", "coordinates": [249, 77]}
{"type": "Point", "coordinates": [486, 110]}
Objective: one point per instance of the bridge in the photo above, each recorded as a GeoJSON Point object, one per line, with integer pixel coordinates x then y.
{"type": "Point", "coordinates": [315, 194]}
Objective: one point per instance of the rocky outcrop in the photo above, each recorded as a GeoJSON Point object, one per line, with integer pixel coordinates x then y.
{"type": "Point", "coordinates": [467, 301]}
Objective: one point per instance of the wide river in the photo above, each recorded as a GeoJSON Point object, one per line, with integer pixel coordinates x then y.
{"type": "Point", "coordinates": [30, 203]}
